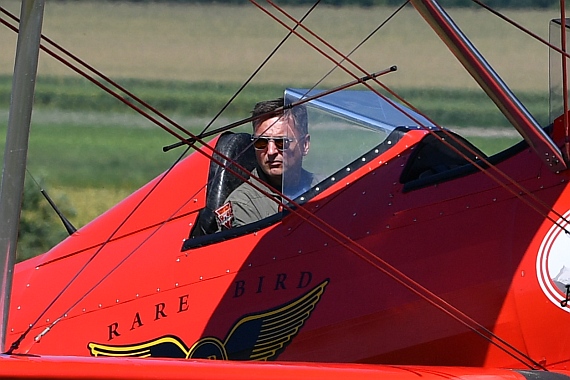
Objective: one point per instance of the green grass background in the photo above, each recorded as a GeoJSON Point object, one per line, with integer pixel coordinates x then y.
{"type": "Point", "coordinates": [188, 60]}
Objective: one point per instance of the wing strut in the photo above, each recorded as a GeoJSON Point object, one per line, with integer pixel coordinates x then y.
{"type": "Point", "coordinates": [16, 151]}
{"type": "Point", "coordinates": [491, 83]}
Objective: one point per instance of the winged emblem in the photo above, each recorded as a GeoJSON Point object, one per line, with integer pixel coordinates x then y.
{"type": "Point", "coordinates": [261, 336]}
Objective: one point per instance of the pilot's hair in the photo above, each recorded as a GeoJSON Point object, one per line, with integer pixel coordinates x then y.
{"type": "Point", "coordinates": [299, 114]}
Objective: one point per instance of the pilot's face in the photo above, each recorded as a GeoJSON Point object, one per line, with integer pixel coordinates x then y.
{"type": "Point", "coordinates": [280, 156]}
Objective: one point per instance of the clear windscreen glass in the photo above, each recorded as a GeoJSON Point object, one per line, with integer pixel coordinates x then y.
{"type": "Point", "coordinates": [555, 68]}
{"type": "Point", "coordinates": [342, 127]}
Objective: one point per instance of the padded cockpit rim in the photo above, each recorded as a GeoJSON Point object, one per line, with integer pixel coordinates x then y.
{"type": "Point", "coordinates": [464, 170]}
{"type": "Point", "coordinates": [202, 241]}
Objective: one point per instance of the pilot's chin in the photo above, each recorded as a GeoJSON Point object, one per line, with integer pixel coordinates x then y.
{"type": "Point", "coordinates": [276, 169]}
{"type": "Point", "coordinates": [276, 172]}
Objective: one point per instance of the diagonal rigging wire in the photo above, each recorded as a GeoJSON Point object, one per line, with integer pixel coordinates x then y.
{"type": "Point", "coordinates": [538, 201]}
{"type": "Point", "coordinates": [136, 108]}
{"type": "Point", "coordinates": [131, 95]}
{"type": "Point", "coordinates": [115, 96]}
{"type": "Point", "coordinates": [522, 28]}
{"type": "Point", "coordinates": [248, 80]}
{"type": "Point", "coordinates": [16, 343]}
{"type": "Point", "coordinates": [230, 167]}
{"type": "Point", "coordinates": [408, 280]}
{"type": "Point", "coordinates": [469, 320]}
{"type": "Point", "coordinates": [404, 279]}
{"type": "Point", "coordinates": [102, 86]}
{"type": "Point", "coordinates": [120, 98]}
{"type": "Point", "coordinates": [562, 51]}
{"type": "Point", "coordinates": [108, 80]}
{"type": "Point", "coordinates": [182, 141]}
{"type": "Point", "coordinates": [370, 253]}
{"type": "Point", "coordinates": [234, 124]}
{"type": "Point", "coordinates": [454, 310]}
{"type": "Point", "coordinates": [203, 133]}
{"type": "Point", "coordinates": [359, 45]}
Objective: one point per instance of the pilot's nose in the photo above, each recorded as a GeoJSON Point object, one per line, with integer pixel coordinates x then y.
{"type": "Point", "coordinates": [272, 148]}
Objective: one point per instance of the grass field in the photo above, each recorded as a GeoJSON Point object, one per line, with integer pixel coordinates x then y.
{"type": "Point", "coordinates": [96, 154]}
{"type": "Point", "coordinates": [226, 44]}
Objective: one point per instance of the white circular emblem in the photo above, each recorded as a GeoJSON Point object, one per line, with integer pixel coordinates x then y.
{"type": "Point", "coordinates": [553, 263]}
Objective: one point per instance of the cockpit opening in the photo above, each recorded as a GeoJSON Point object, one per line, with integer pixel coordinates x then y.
{"type": "Point", "coordinates": [343, 127]}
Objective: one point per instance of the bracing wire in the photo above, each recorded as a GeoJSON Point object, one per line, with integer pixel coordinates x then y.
{"type": "Point", "coordinates": [406, 280]}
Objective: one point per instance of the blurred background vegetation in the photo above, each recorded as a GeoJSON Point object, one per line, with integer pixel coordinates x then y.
{"type": "Point", "coordinates": [517, 4]}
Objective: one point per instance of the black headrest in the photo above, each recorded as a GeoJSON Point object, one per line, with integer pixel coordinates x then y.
{"type": "Point", "coordinates": [221, 181]}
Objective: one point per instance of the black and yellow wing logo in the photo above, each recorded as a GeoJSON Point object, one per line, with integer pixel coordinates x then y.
{"type": "Point", "coordinates": [260, 336]}
{"type": "Point", "coordinates": [165, 347]}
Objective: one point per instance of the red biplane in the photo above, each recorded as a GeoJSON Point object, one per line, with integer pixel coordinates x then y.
{"type": "Point", "coordinates": [416, 255]}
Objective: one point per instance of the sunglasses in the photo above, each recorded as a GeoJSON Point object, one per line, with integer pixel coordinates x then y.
{"type": "Point", "coordinates": [260, 143]}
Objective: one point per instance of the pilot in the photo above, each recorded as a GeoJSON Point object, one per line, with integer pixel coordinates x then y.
{"type": "Point", "coordinates": [280, 141]}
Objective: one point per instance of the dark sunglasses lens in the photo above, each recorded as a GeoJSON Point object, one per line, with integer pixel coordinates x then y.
{"type": "Point", "coordinates": [260, 143]}
{"type": "Point", "coordinates": [279, 143]}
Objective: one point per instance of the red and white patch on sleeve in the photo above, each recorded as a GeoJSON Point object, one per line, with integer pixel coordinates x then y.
{"type": "Point", "coordinates": [225, 215]}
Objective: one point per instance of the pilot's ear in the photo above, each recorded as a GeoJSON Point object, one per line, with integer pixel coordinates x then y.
{"type": "Point", "coordinates": [306, 145]}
